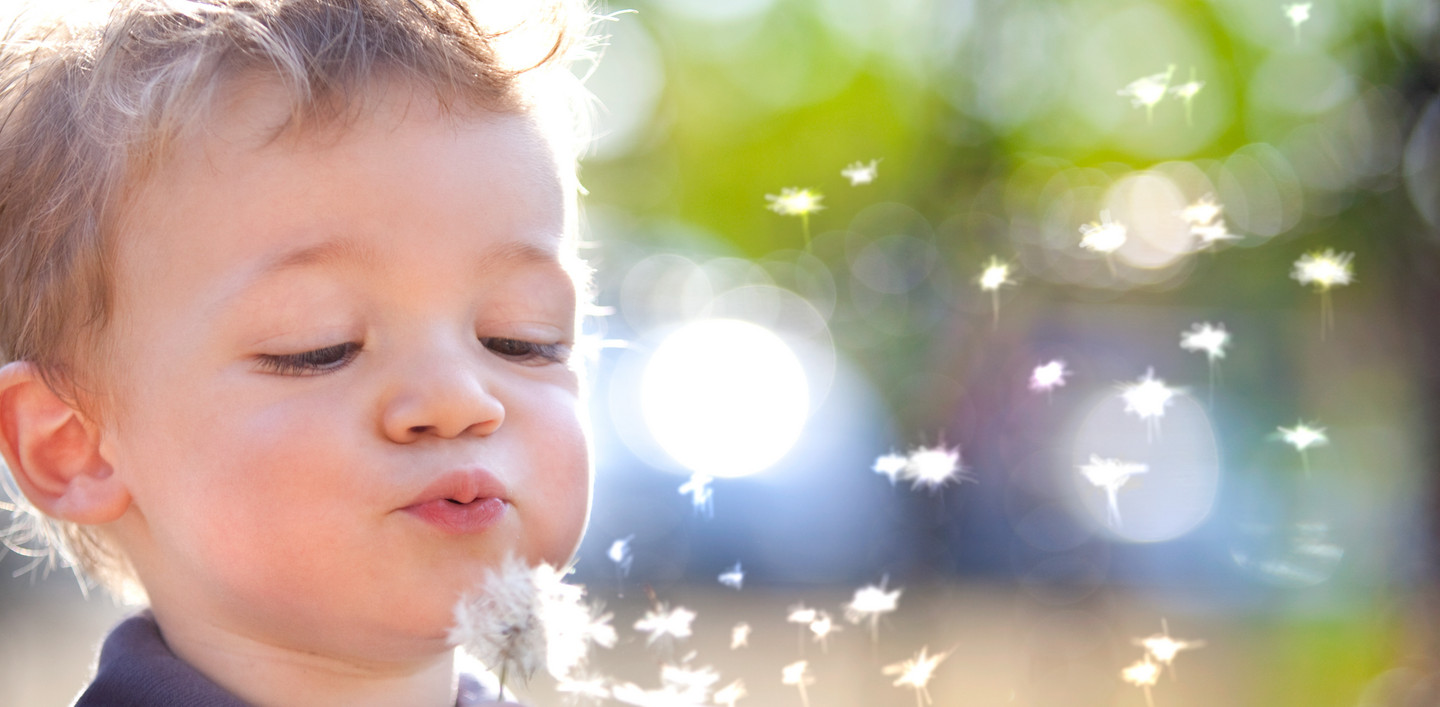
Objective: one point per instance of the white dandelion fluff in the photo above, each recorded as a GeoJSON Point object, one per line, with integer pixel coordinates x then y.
{"type": "Point", "coordinates": [1110, 475]}
{"type": "Point", "coordinates": [870, 604]}
{"type": "Point", "coordinates": [916, 673]}
{"type": "Point", "coordinates": [662, 622]}
{"type": "Point", "coordinates": [1148, 91]}
{"type": "Point", "coordinates": [733, 577]}
{"type": "Point", "coordinates": [995, 275]}
{"type": "Point", "coordinates": [701, 495]}
{"type": "Point", "coordinates": [1164, 648]}
{"type": "Point", "coordinates": [1302, 437]}
{"type": "Point", "coordinates": [1142, 674]}
{"type": "Point", "coordinates": [739, 635]}
{"type": "Point", "coordinates": [730, 694]}
{"type": "Point", "coordinates": [1147, 398]}
{"type": "Point", "coordinates": [1048, 376]}
{"type": "Point", "coordinates": [861, 172]}
{"type": "Point", "coordinates": [798, 675]}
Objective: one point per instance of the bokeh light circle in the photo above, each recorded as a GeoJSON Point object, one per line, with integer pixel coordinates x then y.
{"type": "Point", "coordinates": [724, 397]}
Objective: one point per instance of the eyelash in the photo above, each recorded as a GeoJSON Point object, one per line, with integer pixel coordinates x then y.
{"type": "Point", "coordinates": [331, 358]}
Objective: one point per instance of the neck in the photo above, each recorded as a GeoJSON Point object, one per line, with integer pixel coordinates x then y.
{"type": "Point", "coordinates": [274, 676]}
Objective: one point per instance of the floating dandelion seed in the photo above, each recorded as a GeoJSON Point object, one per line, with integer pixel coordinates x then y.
{"type": "Point", "coordinates": [1210, 338]}
{"type": "Point", "coordinates": [730, 694]}
{"type": "Point", "coordinates": [1325, 271]}
{"type": "Point", "coordinates": [1148, 398]}
{"type": "Point", "coordinates": [1164, 648]}
{"type": "Point", "coordinates": [861, 172]}
{"type": "Point", "coordinates": [581, 689]}
{"type": "Point", "coordinates": [995, 276]}
{"type": "Point", "coordinates": [526, 617]}
{"type": "Point", "coordinates": [1302, 437]}
{"type": "Point", "coordinates": [796, 202]}
{"type": "Point", "coordinates": [915, 673]}
{"type": "Point", "coordinates": [662, 621]}
{"type": "Point", "coordinates": [1203, 212]}
{"type": "Point", "coordinates": [1142, 674]}
{"type": "Point", "coordinates": [933, 467]}
{"type": "Point", "coordinates": [891, 465]}
{"type": "Point", "coordinates": [733, 577]}
{"type": "Point", "coordinates": [1110, 475]}
{"type": "Point", "coordinates": [804, 616]}
{"type": "Point", "coordinates": [1212, 233]}
{"type": "Point", "coordinates": [1148, 91]}
{"type": "Point", "coordinates": [620, 554]}
{"type": "Point", "coordinates": [1048, 376]}
{"type": "Point", "coordinates": [798, 674]}
{"type": "Point", "coordinates": [693, 684]}
{"type": "Point", "coordinates": [1298, 14]}
{"type": "Point", "coordinates": [1187, 92]}
{"type": "Point", "coordinates": [739, 636]}
{"type": "Point", "coordinates": [872, 602]}
{"type": "Point", "coordinates": [1104, 236]}
{"type": "Point", "coordinates": [822, 627]}
{"type": "Point", "coordinates": [701, 495]}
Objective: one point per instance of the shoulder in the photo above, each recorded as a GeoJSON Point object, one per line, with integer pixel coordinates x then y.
{"type": "Point", "coordinates": [137, 668]}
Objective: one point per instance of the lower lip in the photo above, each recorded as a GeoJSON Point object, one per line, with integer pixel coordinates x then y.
{"type": "Point", "coordinates": [460, 518]}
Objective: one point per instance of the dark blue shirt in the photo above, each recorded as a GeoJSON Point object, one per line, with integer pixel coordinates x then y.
{"type": "Point", "coordinates": [137, 669]}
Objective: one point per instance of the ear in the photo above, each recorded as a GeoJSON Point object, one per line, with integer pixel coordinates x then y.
{"type": "Point", "coordinates": [53, 451]}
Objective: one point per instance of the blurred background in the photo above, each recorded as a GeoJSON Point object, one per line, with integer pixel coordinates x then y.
{"type": "Point", "coordinates": [822, 396]}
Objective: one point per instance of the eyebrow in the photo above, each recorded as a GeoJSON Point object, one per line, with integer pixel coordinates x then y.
{"type": "Point", "coordinates": [345, 251]}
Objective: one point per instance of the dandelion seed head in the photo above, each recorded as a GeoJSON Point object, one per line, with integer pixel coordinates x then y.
{"type": "Point", "coordinates": [1203, 212]}
{"type": "Point", "coordinates": [1207, 337]}
{"type": "Point", "coordinates": [1048, 376]}
{"type": "Point", "coordinates": [501, 625]}
{"type": "Point", "coordinates": [1303, 436]}
{"type": "Point", "coordinates": [995, 276]}
{"type": "Point", "coordinates": [1324, 270]}
{"type": "Point", "coordinates": [1148, 397]}
{"type": "Point", "coordinates": [1103, 236]}
{"type": "Point", "coordinates": [861, 172]}
{"type": "Point", "coordinates": [1148, 90]}
{"type": "Point", "coordinates": [792, 201]}
{"type": "Point", "coordinates": [662, 621]}
{"type": "Point", "coordinates": [739, 635]}
{"type": "Point", "coordinates": [733, 577]}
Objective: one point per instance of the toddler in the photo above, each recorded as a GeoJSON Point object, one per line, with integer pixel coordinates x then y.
{"type": "Point", "coordinates": [290, 293]}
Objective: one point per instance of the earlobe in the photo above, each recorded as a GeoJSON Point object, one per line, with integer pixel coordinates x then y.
{"type": "Point", "coordinates": [54, 452]}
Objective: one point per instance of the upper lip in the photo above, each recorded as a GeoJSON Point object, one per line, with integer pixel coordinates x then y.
{"type": "Point", "coordinates": [462, 486]}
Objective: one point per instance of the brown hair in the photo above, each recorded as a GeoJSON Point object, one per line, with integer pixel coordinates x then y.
{"type": "Point", "coordinates": [90, 102]}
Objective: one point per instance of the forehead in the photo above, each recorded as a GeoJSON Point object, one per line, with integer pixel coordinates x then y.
{"type": "Point", "coordinates": [397, 174]}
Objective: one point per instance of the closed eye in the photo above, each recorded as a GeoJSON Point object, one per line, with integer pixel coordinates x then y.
{"type": "Point", "coordinates": [528, 352]}
{"type": "Point", "coordinates": [310, 363]}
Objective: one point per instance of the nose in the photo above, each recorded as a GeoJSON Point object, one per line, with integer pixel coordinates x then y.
{"type": "Point", "coordinates": [441, 394]}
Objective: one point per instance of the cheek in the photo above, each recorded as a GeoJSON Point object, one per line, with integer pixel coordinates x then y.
{"type": "Point", "coordinates": [561, 492]}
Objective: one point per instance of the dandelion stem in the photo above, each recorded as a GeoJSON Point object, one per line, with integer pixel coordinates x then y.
{"type": "Point", "coordinates": [1327, 313]}
{"type": "Point", "coordinates": [995, 310]}
{"type": "Point", "coordinates": [504, 667]}
{"type": "Point", "coordinates": [805, 228]}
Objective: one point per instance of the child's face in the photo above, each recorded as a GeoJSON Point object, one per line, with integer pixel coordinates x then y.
{"type": "Point", "coordinates": [318, 341]}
